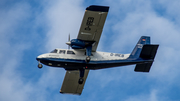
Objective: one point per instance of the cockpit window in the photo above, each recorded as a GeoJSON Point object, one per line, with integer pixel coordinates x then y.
{"type": "Point", "coordinates": [54, 51]}
{"type": "Point", "coordinates": [70, 52]}
{"type": "Point", "coordinates": [62, 51]}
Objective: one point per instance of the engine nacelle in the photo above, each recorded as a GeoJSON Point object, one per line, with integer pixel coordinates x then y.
{"type": "Point", "coordinates": [77, 47]}
{"type": "Point", "coordinates": [76, 42]}
{"type": "Point", "coordinates": [80, 44]}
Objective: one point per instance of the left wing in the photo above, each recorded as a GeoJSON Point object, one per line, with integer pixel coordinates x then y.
{"type": "Point", "coordinates": [70, 84]}
{"type": "Point", "coordinates": [92, 24]}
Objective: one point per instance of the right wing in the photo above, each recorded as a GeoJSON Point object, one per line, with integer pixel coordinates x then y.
{"type": "Point", "coordinates": [92, 24]}
{"type": "Point", "coordinates": [70, 84]}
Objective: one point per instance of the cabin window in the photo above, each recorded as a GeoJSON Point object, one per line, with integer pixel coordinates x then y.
{"type": "Point", "coordinates": [62, 51]}
{"type": "Point", "coordinates": [54, 51]}
{"type": "Point", "coordinates": [70, 52]}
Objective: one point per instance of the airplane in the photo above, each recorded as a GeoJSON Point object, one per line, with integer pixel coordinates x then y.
{"type": "Point", "coordinates": [83, 56]}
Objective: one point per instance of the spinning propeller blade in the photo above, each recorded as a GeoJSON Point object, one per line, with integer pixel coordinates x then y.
{"type": "Point", "coordinates": [69, 42]}
{"type": "Point", "coordinates": [69, 37]}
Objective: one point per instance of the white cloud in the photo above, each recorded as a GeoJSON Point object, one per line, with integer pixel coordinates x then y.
{"type": "Point", "coordinates": [128, 20]}
{"type": "Point", "coordinates": [171, 9]}
{"type": "Point", "coordinates": [64, 18]}
{"type": "Point", "coordinates": [15, 19]}
{"type": "Point", "coordinates": [11, 84]}
{"type": "Point", "coordinates": [142, 19]}
{"type": "Point", "coordinates": [145, 97]}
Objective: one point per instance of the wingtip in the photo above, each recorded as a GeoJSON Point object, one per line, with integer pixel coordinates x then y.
{"type": "Point", "coordinates": [98, 8]}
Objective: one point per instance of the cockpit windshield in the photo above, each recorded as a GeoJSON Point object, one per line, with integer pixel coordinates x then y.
{"type": "Point", "coordinates": [54, 51]}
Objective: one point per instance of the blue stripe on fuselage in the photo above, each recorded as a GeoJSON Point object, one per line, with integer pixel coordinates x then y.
{"type": "Point", "coordinates": [76, 64]}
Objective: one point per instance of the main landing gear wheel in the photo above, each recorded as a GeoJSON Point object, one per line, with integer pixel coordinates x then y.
{"type": "Point", "coordinates": [88, 59]}
{"type": "Point", "coordinates": [80, 80]}
{"type": "Point", "coordinates": [40, 66]}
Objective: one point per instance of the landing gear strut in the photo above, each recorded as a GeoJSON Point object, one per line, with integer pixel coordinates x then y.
{"type": "Point", "coordinates": [88, 53]}
{"type": "Point", "coordinates": [40, 65]}
{"type": "Point", "coordinates": [81, 73]}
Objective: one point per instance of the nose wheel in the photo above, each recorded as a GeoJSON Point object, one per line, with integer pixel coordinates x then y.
{"type": "Point", "coordinates": [40, 65]}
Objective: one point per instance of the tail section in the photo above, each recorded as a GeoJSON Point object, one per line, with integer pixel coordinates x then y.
{"type": "Point", "coordinates": [149, 51]}
{"type": "Point", "coordinates": [146, 51]}
{"type": "Point", "coordinates": [143, 67]}
{"type": "Point", "coordinates": [144, 40]}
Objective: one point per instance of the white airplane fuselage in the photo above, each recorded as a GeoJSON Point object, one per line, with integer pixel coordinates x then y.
{"type": "Point", "coordinates": [75, 59]}
{"type": "Point", "coordinates": [85, 57]}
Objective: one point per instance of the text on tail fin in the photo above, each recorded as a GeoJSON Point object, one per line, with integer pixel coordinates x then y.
{"type": "Point", "coordinates": [144, 40]}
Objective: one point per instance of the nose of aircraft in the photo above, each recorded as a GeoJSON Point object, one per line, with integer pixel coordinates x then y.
{"type": "Point", "coordinates": [40, 57]}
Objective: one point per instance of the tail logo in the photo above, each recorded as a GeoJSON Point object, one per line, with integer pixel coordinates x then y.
{"type": "Point", "coordinates": [139, 45]}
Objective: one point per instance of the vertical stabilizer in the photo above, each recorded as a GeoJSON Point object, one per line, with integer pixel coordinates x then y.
{"type": "Point", "coordinates": [144, 40]}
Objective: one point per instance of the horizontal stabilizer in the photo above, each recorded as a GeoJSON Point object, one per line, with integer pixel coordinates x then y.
{"type": "Point", "coordinates": [143, 67]}
{"type": "Point", "coordinates": [149, 51]}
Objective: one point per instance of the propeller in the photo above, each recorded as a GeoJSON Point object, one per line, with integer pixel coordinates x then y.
{"type": "Point", "coordinates": [69, 42]}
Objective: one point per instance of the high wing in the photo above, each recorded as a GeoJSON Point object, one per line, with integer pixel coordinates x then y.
{"type": "Point", "coordinates": [90, 30]}
{"type": "Point", "coordinates": [70, 84]}
{"type": "Point", "coordinates": [92, 24]}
